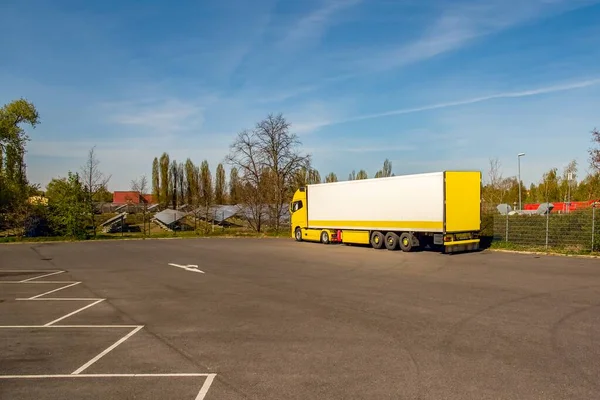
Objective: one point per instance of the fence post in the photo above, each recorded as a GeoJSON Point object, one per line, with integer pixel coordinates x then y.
{"type": "Point", "coordinates": [547, 226]}
{"type": "Point", "coordinates": [506, 236]}
{"type": "Point", "coordinates": [593, 225]}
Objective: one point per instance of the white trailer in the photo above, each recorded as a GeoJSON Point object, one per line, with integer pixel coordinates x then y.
{"type": "Point", "coordinates": [406, 211]}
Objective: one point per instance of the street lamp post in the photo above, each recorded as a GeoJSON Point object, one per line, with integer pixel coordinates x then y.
{"type": "Point", "coordinates": [519, 160]}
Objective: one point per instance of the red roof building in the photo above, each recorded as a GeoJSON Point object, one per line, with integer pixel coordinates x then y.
{"type": "Point", "coordinates": [132, 197]}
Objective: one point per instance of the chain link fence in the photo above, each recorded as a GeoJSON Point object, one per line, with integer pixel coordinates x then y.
{"type": "Point", "coordinates": [577, 232]}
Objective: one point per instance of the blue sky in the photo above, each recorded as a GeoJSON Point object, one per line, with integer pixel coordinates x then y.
{"type": "Point", "coordinates": [430, 84]}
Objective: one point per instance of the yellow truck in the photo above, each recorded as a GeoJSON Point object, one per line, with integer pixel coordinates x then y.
{"type": "Point", "coordinates": [439, 209]}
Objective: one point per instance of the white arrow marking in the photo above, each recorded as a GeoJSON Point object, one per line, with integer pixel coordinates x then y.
{"type": "Point", "coordinates": [189, 267]}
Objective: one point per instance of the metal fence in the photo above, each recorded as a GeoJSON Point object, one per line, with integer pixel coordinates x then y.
{"type": "Point", "coordinates": [576, 231]}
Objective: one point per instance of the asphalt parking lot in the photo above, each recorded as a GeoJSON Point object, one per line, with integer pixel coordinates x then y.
{"type": "Point", "coordinates": [275, 319]}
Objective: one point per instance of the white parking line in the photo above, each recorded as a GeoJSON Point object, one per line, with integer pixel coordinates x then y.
{"type": "Point", "coordinates": [105, 352]}
{"type": "Point", "coordinates": [53, 291]}
{"type": "Point", "coordinates": [60, 299]}
{"type": "Point", "coordinates": [201, 394]}
{"type": "Point", "coordinates": [204, 389]}
{"type": "Point", "coordinates": [74, 312]}
{"type": "Point", "coordinates": [28, 270]}
{"type": "Point", "coordinates": [39, 282]}
{"type": "Point", "coordinates": [67, 326]}
{"type": "Point", "coordinates": [78, 373]}
{"type": "Point", "coordinates": [42, 276]}
{"type": "Point", "coordinates": [181, 375]}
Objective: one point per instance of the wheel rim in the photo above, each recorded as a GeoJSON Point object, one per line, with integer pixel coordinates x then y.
{"type": "Point", "coordinates": [377, 239]}
{"type": "Point", "coordinates": [405, 241]}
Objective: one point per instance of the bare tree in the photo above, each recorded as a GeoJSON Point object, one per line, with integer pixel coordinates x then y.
{"type": "Point", "coordinates": [269, 150]}
{"type": "Point", "coordinates": [595, 152]}
{"type": "Point", "coordinates": [94, 181]}
{"type": "Point", "coordinates": [246, 159]}
{"type": "Point", "coordinates": [279, 152]}
{"type": "Point", "coordinates": [352, 176]}
{"type": "Point", "coordinates": [496, 186]}
{"type": "Point", "coordinates": [141, 186]}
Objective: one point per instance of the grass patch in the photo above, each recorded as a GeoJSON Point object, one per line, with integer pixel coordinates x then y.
{"type": "Point", "coordinates": [564, 250]}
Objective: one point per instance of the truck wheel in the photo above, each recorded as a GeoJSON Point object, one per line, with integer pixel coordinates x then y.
{"type": "Point", "coordinates": [391, 241]}
{"type": "Point", "coordinates": [377, 240]}
{"type": "Point", "coordinates": [324, 237]}
{"type": "Point", "coordinates": [406, 240]}
{"type": "Point", "coordinates": [298, 234]}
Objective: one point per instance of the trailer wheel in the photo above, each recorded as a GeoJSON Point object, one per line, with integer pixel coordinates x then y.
{"type": "Point", "coordinates": [298, 234]}
{"type": "Point", "coordinates": [391, 241]}
{"type": "Point", "coordinates": [377, 240]}
{"type": "Point", "coordinates": [324, 237]}
{"type": "Point", "coordinates": [406, 240]}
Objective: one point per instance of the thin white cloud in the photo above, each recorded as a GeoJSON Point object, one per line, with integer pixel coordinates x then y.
{"type": "Point", "coordinates": [163, 115]}
{"type": "Point", "coordinates": [359, 149]}
{"type": "Point", "coordinates": [460, 24]}
{"type": "Point", "coordinates": [314, 25]}
{"type": "Point", "coordinates": [504, 95]}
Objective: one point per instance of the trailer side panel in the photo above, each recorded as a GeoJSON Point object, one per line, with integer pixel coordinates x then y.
{"type": "Point", "coordinates": [401, 203]}
{"type": "Point", "coordinates": [463, 201]}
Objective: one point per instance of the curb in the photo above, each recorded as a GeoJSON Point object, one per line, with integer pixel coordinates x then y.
{"type": "Point", "coordinates": [540, 253]}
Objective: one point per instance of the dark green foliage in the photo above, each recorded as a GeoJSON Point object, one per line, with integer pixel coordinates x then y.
{"type": "Point", "coordinates": [67, 212]}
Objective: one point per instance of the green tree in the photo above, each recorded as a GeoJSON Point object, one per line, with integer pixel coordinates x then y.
{"type": "Point", "coordinates": [386, 171]}
{"type": "Point", "coordinates": [156, 180]}
{"type": "Point", "coordinates": [220, 185]}
{"type": "Point", "coordinates": [165, 180]}
{"type": "Point", "coordinates": [568, 186]}
{"type": "Point", "coordinates": [192, 182]}
{"type": "Point", "coordinates": [67, 208]}
{"type": "Point", "coordinates": [362, 174]}
{"type": "Point", "coordinates": [331, 177]}
{"type": "Point", "coordinates": [13, 181]}
{"type": "Point", "coordinates": [173, 183]}
{"type": "Point", "coordinates": [206, 189]}
{"type": "Point", "coordinates": [235, 187]}
{"type": "Point", "coordinates": [548, 189]}
{"type": "Point", "coordinates": [103, 195]}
